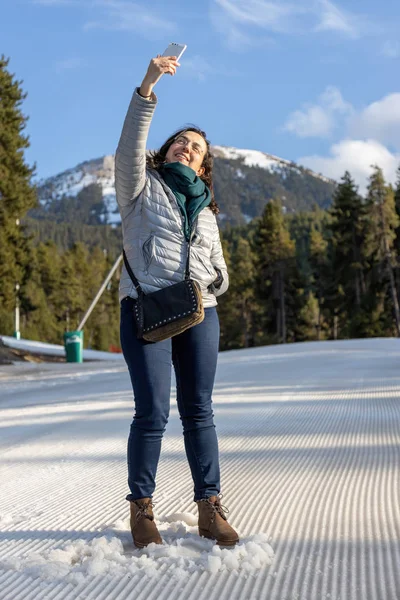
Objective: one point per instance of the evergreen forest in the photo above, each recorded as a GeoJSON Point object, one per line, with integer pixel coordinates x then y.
{"type": "Point", "coordinates": [326, 270]}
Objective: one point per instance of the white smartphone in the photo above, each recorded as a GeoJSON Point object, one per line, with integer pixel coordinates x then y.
{"type": "Point", "coordinates": [175, 50]}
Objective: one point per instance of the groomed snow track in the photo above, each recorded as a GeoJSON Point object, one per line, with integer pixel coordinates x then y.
{"type": "Point", "coordinates": [309, 440]}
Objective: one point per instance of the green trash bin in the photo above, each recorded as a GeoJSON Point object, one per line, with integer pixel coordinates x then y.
{"type": "Point", "coordinates": [73, 342]}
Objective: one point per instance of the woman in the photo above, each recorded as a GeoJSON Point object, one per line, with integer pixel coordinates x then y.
{"type": "Point", "coordinates": [164, 201]}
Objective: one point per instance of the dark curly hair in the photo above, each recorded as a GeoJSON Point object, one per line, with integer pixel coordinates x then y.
{"type": "Point", "coordinates": [155, 159]}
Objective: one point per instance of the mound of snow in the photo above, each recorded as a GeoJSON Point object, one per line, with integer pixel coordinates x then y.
{"type": "Point", "coordinates": [113, 555]}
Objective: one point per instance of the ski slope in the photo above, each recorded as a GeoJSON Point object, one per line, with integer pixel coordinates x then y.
{"type": "Point", "coordinates": [310, 458]}
{"type": "Point", "coordinates": [55, 349]}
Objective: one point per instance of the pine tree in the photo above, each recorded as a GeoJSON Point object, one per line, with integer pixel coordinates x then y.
{"type": "Point", "coordinates": [226, 304]}
{"type": "Point", "coordinates": [397, 239]}
{"type": "Point", "coordinates": [347, 240]}
{"type": "Point", "coordinates": [309, 319]}
{"type": "Point", "coordinates": [74, 297]}
{"type": "Point", "coordinates": [49, 263]}
{"type": "Point", "coordinates": [397, 192]}
{"type": "Point", "coordinates": [275, 251]}
{"type": "Point", "coordinates": [39, 316]}
{"type": "Point", "coordinates": [381, 232]}
{"type": "Point", "coordinates": [242, 296]}
{"type": "Point", "coordinates": [17, 195]}
{"type": "Point", "coordinates": [320, 266]}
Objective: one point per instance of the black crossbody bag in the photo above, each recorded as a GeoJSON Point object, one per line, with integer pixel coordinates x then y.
{"type": "Point", "coordinates": [169, 311]}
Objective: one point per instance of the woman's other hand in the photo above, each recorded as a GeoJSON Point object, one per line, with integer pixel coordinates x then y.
{"type": "Point", "coordinates": [157, 67]}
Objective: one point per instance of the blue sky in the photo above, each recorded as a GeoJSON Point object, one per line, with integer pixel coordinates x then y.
{"type": "Point", "coordinates": [312, 81]}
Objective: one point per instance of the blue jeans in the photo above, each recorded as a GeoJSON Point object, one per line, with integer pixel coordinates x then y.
{"type": "Point", "coordinates": [194, 355]}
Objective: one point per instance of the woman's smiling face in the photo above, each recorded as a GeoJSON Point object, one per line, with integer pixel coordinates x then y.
{"type": "Point", "coordinates": [189, 148]}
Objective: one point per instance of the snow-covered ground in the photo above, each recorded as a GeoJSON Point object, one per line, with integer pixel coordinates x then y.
{"type": "Point", "coordinates": [45, 349]}
{"type": "Point", "coordinates": [310, 455]}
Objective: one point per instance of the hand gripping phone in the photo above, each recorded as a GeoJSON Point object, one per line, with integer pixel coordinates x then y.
{"type": "Point", "coordinates": [175, 50]}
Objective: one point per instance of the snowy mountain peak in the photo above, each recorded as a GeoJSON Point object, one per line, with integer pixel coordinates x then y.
{"type": "Point", "coordinates": [101, 171]}
{"type": "Point", "coordinates": [72, 181]}
{"type": "Point", "coordinates": [251, 158]}
{"type": "Point", "coordinates": [256, 158]}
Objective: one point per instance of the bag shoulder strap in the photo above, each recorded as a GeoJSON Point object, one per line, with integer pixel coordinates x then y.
{"type": "Point", "coordinates": [132, 275]}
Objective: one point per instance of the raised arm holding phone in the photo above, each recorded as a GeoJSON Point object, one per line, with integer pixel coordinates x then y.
{"type": "Point", "coordinates": [159, 66]}
{"type": "Point", "coordinates": [168, 214]}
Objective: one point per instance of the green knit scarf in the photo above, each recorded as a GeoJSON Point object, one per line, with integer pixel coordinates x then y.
{"type": "Point", "coordinates": [190, 191]}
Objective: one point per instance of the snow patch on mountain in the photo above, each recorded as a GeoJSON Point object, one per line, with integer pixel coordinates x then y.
{"type": "Point", "coordinates": [251, 158]}
{"type": "Point", "coordinates": [256, 158]}
{"type": "Point", "coordinates": [73, 181]}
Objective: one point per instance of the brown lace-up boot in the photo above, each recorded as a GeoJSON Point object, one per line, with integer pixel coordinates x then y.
{"type": "Point", "coordinates": [213, 523]}
{"type": "Point", "coordinates": [143, 528]}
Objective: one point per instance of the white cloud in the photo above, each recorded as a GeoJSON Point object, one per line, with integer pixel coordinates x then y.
{"type": "Point", "coordinates": [198, 68]}
{"type": "Point", "coordinates": [357, 157]}
{"type": "Point", "coordinates": [372, 136]}
{"type": "Point", "coordinates": [314, 121]}
{"type": "Point", "coordinates": [380, 121]}
{"type": "Point", "coordinates": [127, 16]}
{"type": "Point", "coordinates": [120, 15]}
{"type": "Point", "coordinates": [269, 15]}
{"type": "Point", "coordinates": [70, 63]}
{"type": "Point", "coordinates": [287, 17]}
{"type": "Point", "coordinates": [54, 2]}
{"type": "Point", "coordinates": [228, 26]}
{"type": "Point", "coordinates": [333, 100]}
{"type": "Point", "coordinates": [391, 49]}
{"type": "Point", "coordinates": [334, 19]}
{"type": "Point", "coordinates": [319, 120]}
{"type": "Point", "coordinates": [233, 37]}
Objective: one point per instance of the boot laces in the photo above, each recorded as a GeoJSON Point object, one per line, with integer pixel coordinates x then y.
{"type": "Point", "coordinates": [142, 510]}
{"type": "Point", "coordinates": [218, 508]}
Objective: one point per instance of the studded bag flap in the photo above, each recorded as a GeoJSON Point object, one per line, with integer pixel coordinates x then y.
{"type": "Point", "coordinates": [169, 311]}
